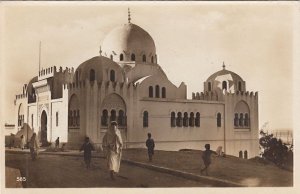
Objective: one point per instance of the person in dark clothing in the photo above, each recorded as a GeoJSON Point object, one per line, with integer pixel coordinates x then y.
{"type": "Point", "coordinates": [87, 148]}
{"type": "Point", "coordinates": [150, 145]}
{"type": "Point", "coordinates": [57, 143]}
{"type": "Point", "coordinates": [206, 157]}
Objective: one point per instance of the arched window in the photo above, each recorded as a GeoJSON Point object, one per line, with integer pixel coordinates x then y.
{"type": "Point", "coordinates": [78, 118]}
{"type": "Point", "coordinates": [219, 120]}
{"type": "Point", "coordinates": [157, 91]}
{"type": "Point", "coordinates": [74, 118]}
{"type": "Point", "coordinates": [192, 120]}
{"type": "Point", "coordinates": [179, 119]}
{"type": "Point", "coordinates": [56, 119]}
{"type": "Point", "coordinates": [185, 119]}
{"type": "Point", "coordinates": [32, 121]}
{"type": "Point", "coordinates": [150, 91]}
{"type": "Point", "coordinates": [111, 57]}
{"type": "Point", "coordinates": [197, 120]}
{"type": "Point", "coordinates": [240, 154]}
{"type": "Point", "coordinates": [121, 118]}
{"type": "Point", "coordinates": [163, 92]}
{"type": "Point", "coordinates": [77, 76]}
{"type": "Point", "coordinates": [104, 118]}
{"type": "Point", "coordinates": [152, 61]}
{"type": "Point", "coordinates": [112, 76]}
{"type": "Point", "coordinates": [132, 57]}
{"type": "Point", "coordinates": [246, 121]}
{"type": "Point", "coordinates": [121, 57]}
{"type": "Point", "coordinates": [241, 120]}
{"type": "Point", "coordinates": [240, 86]}
{"type": "Point", "coordinates": [245, 154]}
{"type": "Point", "coordinates": [209, 86]}
{"type": "Point", "coordinates": [145, 119]}
{"type": "Point", "coordinates": [155, 58]}
{"type": "Point", "coordinates": [113, 115]}
{"type": "Point", "coordinates": [144, 58]}
{"type": "Point", "coordinates": [173, 120]}
{"type": "Point", "coordinates": [236, 119]}
{"type": "Point", "coordinates": [70, 118]}
{"type": "Point", "coordinates": [224, 85]}
{"type": "Point", "coordinates": [92, 75]}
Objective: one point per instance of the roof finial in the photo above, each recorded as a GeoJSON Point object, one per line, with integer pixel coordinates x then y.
{"type": "Point", "coordinates": [223, 65]}
{"type": "Point", "coordinates": [129, 15]}
{"type": "Point", "coordinates": [100, 51]}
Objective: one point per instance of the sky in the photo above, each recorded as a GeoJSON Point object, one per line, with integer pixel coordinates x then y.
{"type": "Point", "coordinates": [255, 40]}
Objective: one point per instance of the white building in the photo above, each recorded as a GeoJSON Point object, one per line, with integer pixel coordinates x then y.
{"type": "Point", "coordinates": [126, 83]}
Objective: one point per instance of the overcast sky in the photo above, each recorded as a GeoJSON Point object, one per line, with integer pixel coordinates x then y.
{"type": "Point", "coordinates": [255, 40]}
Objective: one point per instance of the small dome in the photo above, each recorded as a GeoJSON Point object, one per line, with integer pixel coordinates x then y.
{"type": "Point", "coordinates": [99, 69]}
{"type": "Point", "coordinates": [131, 41]}
{"type": "Point", "coordinates": [226, 74]}
{"type": "Point", "coordinates": [225, 79]}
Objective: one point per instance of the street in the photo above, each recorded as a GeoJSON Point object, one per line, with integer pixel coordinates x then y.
{"type": "Point", "coordinates": [53, 171]}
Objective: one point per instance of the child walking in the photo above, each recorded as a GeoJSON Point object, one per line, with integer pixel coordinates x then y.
{"type": "Point", "coordinates": [87, 148]}
{"type": "Point", "coordinates": [206, 157]}
{"type": "Point", "coordinates": [150, 145]}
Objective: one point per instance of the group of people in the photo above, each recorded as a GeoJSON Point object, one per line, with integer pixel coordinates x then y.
{"type": "Point", "coordinates": [112, 144]}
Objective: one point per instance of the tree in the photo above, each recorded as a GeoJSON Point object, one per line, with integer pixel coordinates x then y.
{"type": "Point", "coordinates": [275, 151]}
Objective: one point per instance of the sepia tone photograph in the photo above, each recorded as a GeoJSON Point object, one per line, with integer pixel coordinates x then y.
{"type": "Point", "coordinates": [143, 95]}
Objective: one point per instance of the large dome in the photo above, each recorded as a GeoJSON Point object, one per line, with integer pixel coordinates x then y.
{"type": "Point", "coordinates": [129, 43]}
{"type": "Point", "coordinates": [99, 69]}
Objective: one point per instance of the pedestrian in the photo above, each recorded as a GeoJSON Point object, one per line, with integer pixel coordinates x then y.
{"type": "Point", "coordinates": [57, 144]}
{"type": "Point", "coordinates": [206, 157]}
{"type": "Point", "coordinates": [22, 142]}
{"type": "Point", "coordinates": [33, 146]}
{"type": "Point", "coordinates": [150, 145]}
{"type": "Point", "coordinates": [112, 143]}
{"type": "Point", "coordinates": [87, 148]}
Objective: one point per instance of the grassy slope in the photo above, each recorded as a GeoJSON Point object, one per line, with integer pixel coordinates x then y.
{"type": "Point", "coordinates": [248, 172]}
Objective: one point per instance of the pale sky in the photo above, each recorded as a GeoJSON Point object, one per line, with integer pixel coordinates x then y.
{"type": "Point", "coordinates": [255, 40]}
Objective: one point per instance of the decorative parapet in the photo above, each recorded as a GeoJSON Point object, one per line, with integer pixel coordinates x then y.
{"type": "Point", "coordinates": [214, 96]}
{"type": "Point", "coordinates": [21, 96]}
{"type": "Point", "coordinates": [210, 96]}
{"type": "Point", "coordinates": [51, 71]}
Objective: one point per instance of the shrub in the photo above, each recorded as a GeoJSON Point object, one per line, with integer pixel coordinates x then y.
{"type": "Point", "coordinates": [276, 151]}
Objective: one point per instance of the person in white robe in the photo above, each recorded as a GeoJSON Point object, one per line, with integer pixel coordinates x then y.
{"type": "Point", "coordinates": [112, 144]}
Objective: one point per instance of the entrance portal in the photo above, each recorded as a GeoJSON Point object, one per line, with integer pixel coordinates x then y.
{"type": "Point", "coordinates": [44, 128]}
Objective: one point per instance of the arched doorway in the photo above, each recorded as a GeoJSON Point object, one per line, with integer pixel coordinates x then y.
{"type": "Point", "coordinates": [44, 128]}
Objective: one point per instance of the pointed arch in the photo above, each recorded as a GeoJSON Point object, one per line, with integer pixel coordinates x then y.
{"type": "Point", "coordinates": [145, 119]}
{"type": "Point", "coordinates": [132, 57]}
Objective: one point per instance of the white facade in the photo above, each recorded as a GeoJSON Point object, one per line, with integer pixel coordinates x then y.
{"type": "Point", "coordinates": [126, 83]}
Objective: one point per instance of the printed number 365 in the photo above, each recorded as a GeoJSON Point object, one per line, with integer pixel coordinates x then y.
{"type": "Point", "coordinates": [21, 178]}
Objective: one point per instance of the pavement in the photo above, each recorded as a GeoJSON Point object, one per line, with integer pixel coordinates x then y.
{"type": "Point", "coordinates": [187, 175]}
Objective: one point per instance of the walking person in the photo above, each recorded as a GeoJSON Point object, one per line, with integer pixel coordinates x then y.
{"type": "Point", "coordinates": [33, 146]}
{"type": "Point", "coordinates": [87, 148]}
{"type": "Point", "coordinates": [112, 144]}
{"type": "Point", "coordinates": [150, 145]}
{"type": "Point", "coordinates": [57, 144]}
{"type": "Point", "coordinates": [22, 142]}
{"type": "Point", "coordinates": [206, 157]}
